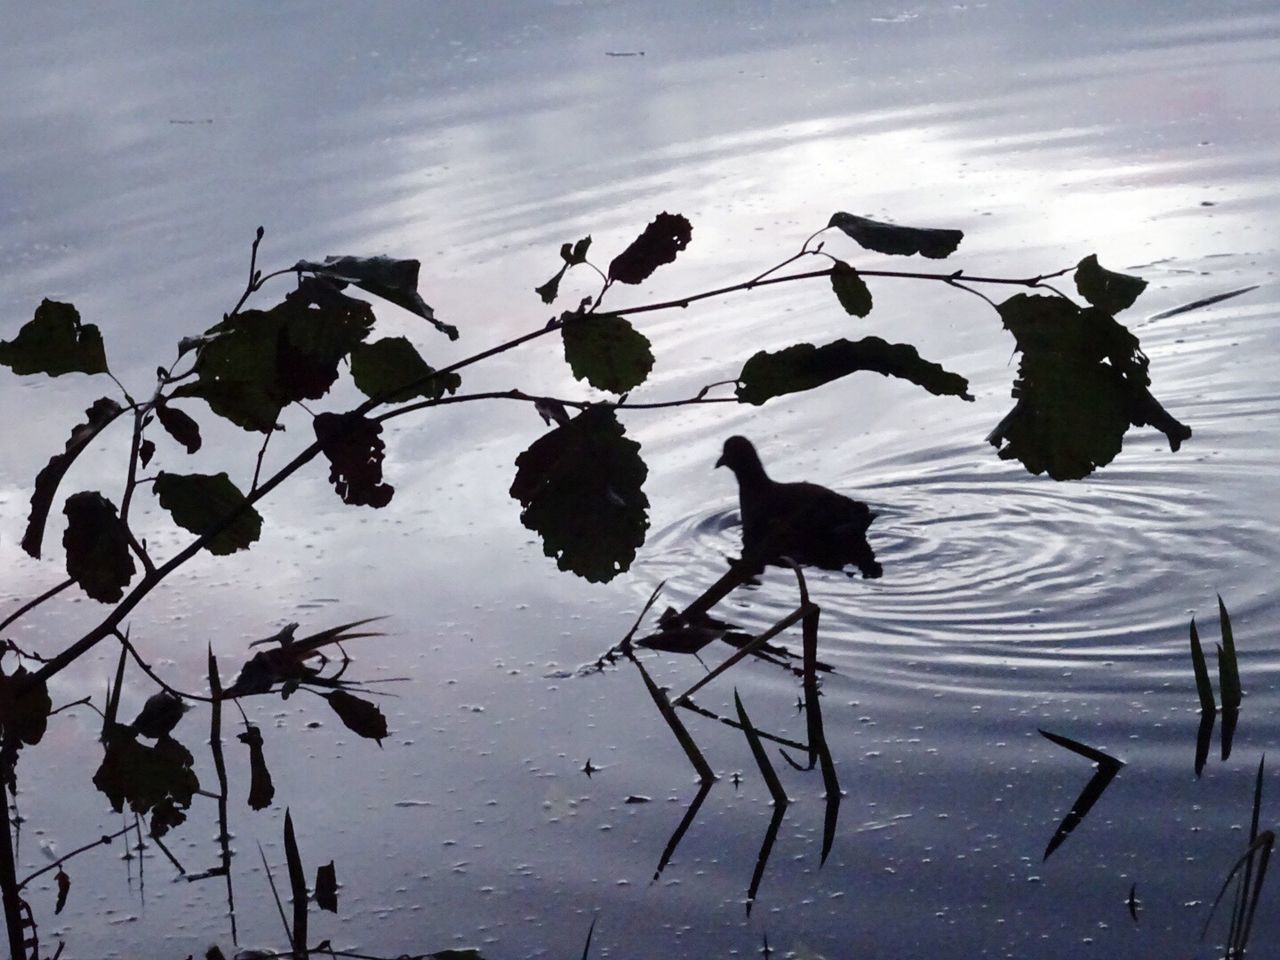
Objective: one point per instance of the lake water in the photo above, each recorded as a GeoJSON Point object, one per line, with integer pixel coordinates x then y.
{"type": "Point", "coordinates": [144, 146]}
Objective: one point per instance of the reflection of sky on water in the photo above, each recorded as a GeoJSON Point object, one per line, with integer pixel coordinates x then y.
{"type": "Point", "coordinates": [479, 138]}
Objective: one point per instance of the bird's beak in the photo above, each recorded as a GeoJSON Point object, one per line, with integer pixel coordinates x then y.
{"type": "Point", "coordinates": [720, 462]}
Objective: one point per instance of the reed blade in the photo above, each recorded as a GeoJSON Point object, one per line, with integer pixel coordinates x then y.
{"type": "Point", "coordinates": [1228, 667]}
{"type": "Point", "coordinates": [1203, 687]}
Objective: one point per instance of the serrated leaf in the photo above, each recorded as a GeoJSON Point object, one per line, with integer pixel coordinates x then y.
{"type": "Point", "coordinates": [151, 779]}
{"type": "Point", "coordinates": [99, 415]}
{"type": "Point", "coordinates": [24, 706]}
{"type": "Point", "coordinates": [804, 366]}
{"type": "Point", "coordinates": [579, 487]}
{"type": "Point", "coordinates": [355, 451]}
{"type": "Point", "coordinates": [851, 290]}
{"type": "Point", "coordinates": [1082, 381]}
{"type": "Point", "coordinates": [606, 351]}
{"type": "Point", "coordinates": [261, 789]}
{"type": "Point", "coordinates": [97, 547]}
{"type": "Point", "coordinates": [392, 371]}
{"type": "Point", "coordinates": [55, 342]}
{"type": "Point", "coordinates": [1108, 291]}
{"type": "Point", "coordinates": [895, 240]}
{"type": "Point", "coordinates": [387, 277]}
{"type": "Point", "coordinates": [666, 236]}
{"type": "Point", "coordinates": [359, 716]}
{"type": "Point", "coordinates": [327, 887]}
{"type": "Point", "coordinates": [253, 364]}
{"type": "Point", "coordinates": [179, 425]}
{"type": "Point", "coordinates": [202, 504]}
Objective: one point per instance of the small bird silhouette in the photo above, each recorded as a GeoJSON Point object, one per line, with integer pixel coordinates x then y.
{"type": "Point", "coordinates": [808, 523]}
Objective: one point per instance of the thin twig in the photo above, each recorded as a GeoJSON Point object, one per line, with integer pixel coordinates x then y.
{"type": "Point", "coordinates": [32, 604]}
{"type": "Point", "coordinates": [523, 397]}
{"type": "Point", "coordinates": [102, 841]}
{"type": "Point", "coordinates": [150, 672]}
{"type": "Point", "coordinates": [262, 452]}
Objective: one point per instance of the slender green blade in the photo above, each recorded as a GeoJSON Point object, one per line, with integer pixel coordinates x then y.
{"type": "Point", "coordinates": [1228, 668]}
{"type": "Point", "coordinates": [1203, 687]}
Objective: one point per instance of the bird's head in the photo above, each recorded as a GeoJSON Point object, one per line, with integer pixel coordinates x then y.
{"type": "Point", "coordinates": [740, 456]}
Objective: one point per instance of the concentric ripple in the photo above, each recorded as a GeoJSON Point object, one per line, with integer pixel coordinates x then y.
{"type": "Point", "coordinates": [991, 572]}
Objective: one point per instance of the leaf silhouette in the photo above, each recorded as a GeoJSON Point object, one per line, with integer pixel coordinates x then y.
{"type": "Point", "coordinates": [97, 547]}
{"type": "Point", "coordinates": [390, 370]}
{"type": "Point", "coordinates": [64, 887]}
{"type": "Point", "coordinates": [24, 706]}
{"type": "Point", "coordinates": [55, 342]}
{"type": "Point", "coordinates": [151, 779]}
{"type": "Point", "coordinates": [1082, 381]}
{"type": "Point", "coordinates": [252, 364]}
{"type": "Point", "coordinates": [179, 425]}
{"type": "Point", "coordinates": [894, 240]}
{"type": "Point", "coordinates": [353, 445]}
{"type": "Point", "coordinates": [580, 489]}
{"type": "Point", "coordinates": [1108, 291]}
{"type": "Point", "coordinates": [606, 351]}
{"type": "Point", "coordinates": [203, 503]}
{"type": "Point", "coordinates": [851, 290]}
{"type": "Point", "coordinates": [360, 716]}
{"type": "Point", "coordinates": [666, 236]}
{"type": "Point", "coordinates": [393, 280]}
{"type": "Point", "coordinates": [327, 887]}
{"type": "Point", "coordinates": [803, 366]}
{"type": "Point", "coordinates": [97, 418]}
{"type": "Point", "coordinates": [261, 790]}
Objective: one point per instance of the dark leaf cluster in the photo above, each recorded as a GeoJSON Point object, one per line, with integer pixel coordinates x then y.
{"type": "Point", "coordinates": [353, 445]}
{"type": "Point", "coordinates": [1082, 382]}
{"type": "Point", "coordinates": [579, 487]}
{"type": "Point", "coordinates": [155, 779]}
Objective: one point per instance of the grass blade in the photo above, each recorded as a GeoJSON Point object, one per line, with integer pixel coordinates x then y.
{"type": "Point", "coordinates": [298, 888]}
{"type": "Point", "coordinates": [1203, 687]}
{"type": "Point", "coordinates": [757, 750]}
{"type": "Point", "coordinates": [1204, 734]}
{"type": "Point", "coordinates": [766, 848]}
{"type": "Point", "coordinates": [266, 867]}
{"type": "Point", "coordinates": [1265, 841]}
{"type": "Point", "coordinates": [586, 950]}
{"type": "Point", "coordinates": [1108, 767]}
{"type": "Point", "coordinates": [745, 651]}
{"type": "Point", "coordinates": [705, 773]}
{"type": "Point", "coordinates": [685, 822]}
{"type": "Point", "coordinates": [1228, 668]}
{"type": "Point", "coordinates": [1246, 884]}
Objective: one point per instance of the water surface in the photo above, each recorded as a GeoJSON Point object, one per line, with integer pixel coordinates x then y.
{"type": "Point", "coordinates": [144, 150]}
